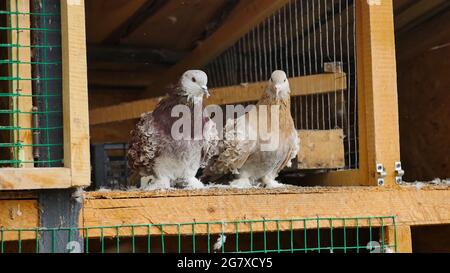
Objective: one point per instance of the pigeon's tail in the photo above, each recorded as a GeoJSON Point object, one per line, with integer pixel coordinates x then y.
{"type": "Point", "coordinates": [134, 179]}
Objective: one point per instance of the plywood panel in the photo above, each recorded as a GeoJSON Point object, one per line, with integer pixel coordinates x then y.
{"type": "Point", "coordinates": [322, 149]}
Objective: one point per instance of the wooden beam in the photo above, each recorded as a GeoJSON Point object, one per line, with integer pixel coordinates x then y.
{"type": "Point", "coordinates": [410, 207]}
{"type": "Point", "coordinates": [75, 97]}
{"type": "Point", "coordinates": [30, 179]}
{"type": "Point", "coordinates": [399, 236]}
{"type": "Point", "coordinates": [306, 85]}
{"type": "Point", "coordinates": [106, 16]}
{"type": "Point", "coordinates": [321, 149]}
{"type": "Point", "coordinates": [377, 81]}
{"type": "Point", "coordinates": [23, 85]}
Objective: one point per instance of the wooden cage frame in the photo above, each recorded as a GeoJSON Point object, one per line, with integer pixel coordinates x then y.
{"type": "Point", "coordinates": [76, 170]}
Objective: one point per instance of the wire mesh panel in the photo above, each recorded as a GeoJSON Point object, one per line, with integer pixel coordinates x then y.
{"type": "Point", "coordinates": [314, 235]}
{"type": "Point", "coordinates": [305, 37]}
{"type": "Point", "coordinates": [31, 132]}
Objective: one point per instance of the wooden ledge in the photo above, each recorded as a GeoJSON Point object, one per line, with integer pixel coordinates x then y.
{"type": "Point", "coordinates": [410, 206]}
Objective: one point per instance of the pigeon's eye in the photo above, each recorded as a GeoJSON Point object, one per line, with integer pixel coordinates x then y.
{"type": "Point", "coordinates": [285, 80]}
{"type": "Point", "coordinates": [194, 80]}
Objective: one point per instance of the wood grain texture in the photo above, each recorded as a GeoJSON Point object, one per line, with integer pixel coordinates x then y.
{"type": "Point", "coordinates": [400, 236]}
{"type": "Point", "coordinates": [18, 214]}
{"type": "Point", "coordinates": [321, 149]}
{"type": "Point", "coordinates": [75, 98]}
{"type": "Point", "coordinates": [409, 205]}
{"type": "Point", "coordinates": [22, 86]}
{"type": "Point", "coordinates": [378, 79]}
{"type": "Point", "coordinates": [31, 179]}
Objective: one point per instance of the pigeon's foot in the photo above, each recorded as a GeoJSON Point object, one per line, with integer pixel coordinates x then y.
{"type": "Point", "coordinates": [193, 183]}
{"type": "Point", "coordinates": [157, 184]}
{"type": "Point", "coordinates": [270, 183]}
{"type": "Point", "coordinates": [241, 183]}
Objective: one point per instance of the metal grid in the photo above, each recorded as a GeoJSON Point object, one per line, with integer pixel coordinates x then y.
{"type": "Point", "coordinates": [41, 36]}
{"type": "Point", "coordinates": [299, 39]}
{"type": "Point", "coordinates": [314, 235]}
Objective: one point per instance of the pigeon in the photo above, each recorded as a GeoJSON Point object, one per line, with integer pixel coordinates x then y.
{"type": "Point", "coordinates": [164, 159]}
{"type": "Point", "coordinates": [246, 160]}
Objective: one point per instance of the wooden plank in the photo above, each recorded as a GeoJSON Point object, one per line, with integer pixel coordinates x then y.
{"type": "Point", "coordinates": [378, 79]}
{"type": "Point", "coordinates": [321, 149]}
{"type": "Point", "coordinates": [18, 214]}
{"type": "Point", "coordinates": [23, 85]}
{"type": "Point", "coordinates": [399, 236]}
{"type": "Point", "coordinates": [75, 97]}
{"type": "Point", "coordinates": [30, 179]}
{"type": "Point", "coordinates": [305, 85]}
{"type": "Point", "coordinates": [410, 207]}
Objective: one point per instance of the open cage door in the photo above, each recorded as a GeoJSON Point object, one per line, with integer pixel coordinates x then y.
{"type": "Point", "coordinates": [44, 132]}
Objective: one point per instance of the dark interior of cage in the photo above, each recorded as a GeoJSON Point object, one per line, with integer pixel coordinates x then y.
{"type": "Point", "coordinates": [34, 114]}
{"type": "Point", "coordinates": [302, 39]}
{"type": "Point", "coordinates": [337, 240]}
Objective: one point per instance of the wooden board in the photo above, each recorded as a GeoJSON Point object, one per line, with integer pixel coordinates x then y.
{"type": "Point", "coordinates": [18, 214]}
{"type": "Point", "coordinates": [30, 179]}
{"type": "Point", "coordinates": [23, 85]}
{"type": "Point", "coordinates": [306, 85]}
{"type": "Point", "coordinates": [409, 205]}
{"type": "Point", "coordinates": [75, 98]}
{"type": "Point", "coordinates": [377, 89]}
{"type": "Point", "coordinates": [321, 149]}
{"type": "Point", "coordinates": [399, 236]}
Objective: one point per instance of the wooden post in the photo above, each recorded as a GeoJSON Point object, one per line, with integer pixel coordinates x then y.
{"type": "Point", "coordinates": [75, 98]}
{"type": "Point", "coordinates": [377, 80]}
{"type": "Point", "coordinates": [20, 39]}
{"type": "Point", "coordinates": [59, 209]}
{"type": "Point", "coordinates": [400, 237]}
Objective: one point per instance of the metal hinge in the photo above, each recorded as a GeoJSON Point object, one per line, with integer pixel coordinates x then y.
{"type": "Point", "coordinates": [381, 171]}
{"type": "Point", "coordinates": [399, 172]}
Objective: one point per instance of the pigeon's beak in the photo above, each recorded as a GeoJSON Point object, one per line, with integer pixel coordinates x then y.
{"type": "Point", "coordinates": [277, 88]}
{"type": "Point", "coordinates": [205, 91]}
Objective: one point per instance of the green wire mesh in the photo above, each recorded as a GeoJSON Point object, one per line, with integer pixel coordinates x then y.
{"type": "Point", "coordinates": [43, 38]}
{"type": "Point", "coordinates": [314, 235]}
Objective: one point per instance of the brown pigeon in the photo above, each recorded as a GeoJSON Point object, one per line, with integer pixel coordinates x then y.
{"type": "Point", "coordinates": [167, 160]}
{"type": "Point", "coordinates": [251, 161]}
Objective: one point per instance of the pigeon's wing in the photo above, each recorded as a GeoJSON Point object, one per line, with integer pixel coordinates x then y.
{"type": "Point", "coordinates": [144, 146]}
{"type": "Point", "coordinates": [210, 142]}
{"type": "Point", "coordinates": [234, 150]}
{"type": "Point", "coordinates": [292, 151]}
